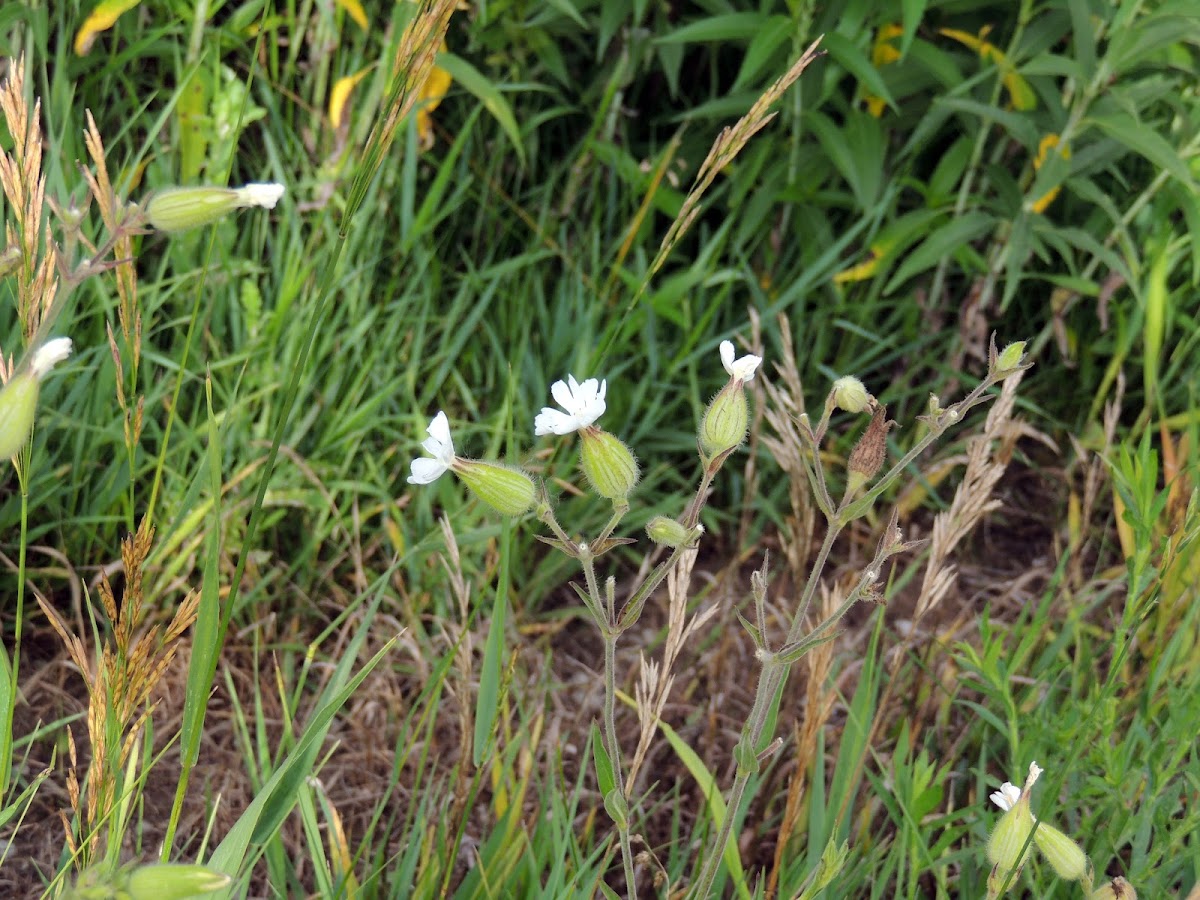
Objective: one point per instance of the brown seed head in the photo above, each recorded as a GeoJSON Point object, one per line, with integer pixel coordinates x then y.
{"type": "Point", "coordinates": [871, 450]}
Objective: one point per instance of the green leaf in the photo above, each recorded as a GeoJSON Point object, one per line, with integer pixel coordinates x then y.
{"type": "Point", "coordinates": [262, 818]}
{"type": "Point", "coordinates": [714, 801]}
{"type": "Point", "coordinates": [762, 51]}
{"type": "Point", "coordinates": [850, 58]}
{"type": "Point", "coordinates": [724, 28]}
{"type": "Point", "coordinates": [1017, 125]}
{"type": "Point", "coordinates": [911, 14]}
{"type": "Point", "coordinates": [606, 780]}
{"type": "Point", "coordinates": [488, 94]}
{"type": "Point", "coordinates": [487, 705]}
{"type": "Point", "coordinates": [941, 243]}
{"type": "Point", "coordinates": [1144, 141]}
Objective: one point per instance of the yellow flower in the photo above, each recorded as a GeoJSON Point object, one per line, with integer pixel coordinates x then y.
{"type": "Point", "coordinates": [883, 52]}
{"type": "Point", "coordinates": [103, 17]}
{"type": "Point", "coordinates": [1048, 143]}
{"type": "Point", "coordinates": [1020, 92]}
{"type": "Point", "coordinates": [354, 10]}
{"type": "Point", "coordinates": [340, 94]}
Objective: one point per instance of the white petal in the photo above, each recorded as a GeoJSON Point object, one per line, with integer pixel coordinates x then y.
{"type": "Point", "coordinates": [439, 444]}
{"type": "Point", "coordinates": [742, 369]}
{"type": "Point", "coordinates": [425, 470]}
{"type": "Point", "coordinates": [50, 354]}
{"type": "Point", "coordinates": [727, 355]}
{"type": "Point", "coordinates": [564, 394]}
{"type": "Point", "coordinates": [582, 405]}
{"type": "Point", "coordinates": [259, 194]}
{"type": "Point", "coordinates": [1008, 795]}
{"type": "Point", "coordinates": [551, 421]}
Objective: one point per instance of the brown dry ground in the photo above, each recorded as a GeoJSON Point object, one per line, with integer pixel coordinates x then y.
{"type": "Point", "coordinates": [1005, 565]}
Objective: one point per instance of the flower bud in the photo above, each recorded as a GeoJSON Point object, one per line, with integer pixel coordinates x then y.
{"type": "Point", "coordinates": [869, 453]}
{"type": "Point", "coordinates": [1010, 356]}
{"type": "Point", "coordinates": [725, 421]}
{"type": "Point", "coordinates": [1064, 855]}
{"type": "Point", "coordinates": [670, 533]}
{"type": "Point", "coordinates": [608, 464]}
{"type": "Point", "coordinates": [849, 394]}
{"type": "Point", "coordinates": [1004, 849]}
{"type": "Point", "coordinates": [508, 491]}
{"type": "Point", "coordinates": [18, 398]}
{"type": "Point", "coordinates": [1117, 889]}
{"type": "Point", "coordinates": [173, 881]}
{"type": "Point", "coordinates": [182, 208]}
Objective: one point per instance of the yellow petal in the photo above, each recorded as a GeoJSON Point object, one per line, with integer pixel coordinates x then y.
{"type": "Point", "coordinates": [103, 17]}
{"type": "Point", "coordinates": [354, 10]}
{"type": "Point", "coordinates": [341, 93]}
{"type": "Point", "coordinates": [1045, 145]}
{"type": "Point", "coordinates": [432, 92]}
{"type": "Point", "coordinates": [884, 51]}
{"type": "Point", "coordinates": [1020, 92]}
{"type": "Point", "coordinates": [1039, 205]}
{"type": "Point", "coordinates": [863, 270]}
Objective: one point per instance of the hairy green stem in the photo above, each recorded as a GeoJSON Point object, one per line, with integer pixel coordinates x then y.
{"type": "Point", "coordinates": [614, 753]}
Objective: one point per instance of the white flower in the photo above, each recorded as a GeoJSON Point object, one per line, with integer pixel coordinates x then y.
{"type": "Point", "coordinates": [739, 369]}
{"type": "Point", "coordinates": [584, 404]}
{"type": "Point", "coordinates": [259, 194]}
{"type": "Point", "coordinates": [1008, 795]}
{"type": "Point", "coordinates": [440, 446]}
{"type": "Point", "coordinates": [50, 354]}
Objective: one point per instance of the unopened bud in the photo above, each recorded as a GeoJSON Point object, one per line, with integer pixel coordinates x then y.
{"type": "Point", "coordinates": [183, 208]}
{"type": "Point", "coordinates": [173, 881]}
{"type": "Point", "coordinates": [508, 491]}
{"type": "Point", "coordinates": [1010, 357]}
{"type": "Point", "coordinates": [871, 450]}
{"type": "Point", "coordinates": [848, 393]}
{"type": "Point", "coordinates": [725, 421]}
{"type": "Point", "coordinates": [1117, 889]}
{"type": "Point", "coordinates": [608, 464]}
{"type": "Point", "coordinates": [1064, 855]}
{"type": "Point", "coordinates": [670, 533]}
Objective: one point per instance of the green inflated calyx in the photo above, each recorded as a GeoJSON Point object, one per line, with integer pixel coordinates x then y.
{"type": "Point", "coordinates": [1006, 848]}
{"type": "Point", "coordinates": [173, 881]}
{"type": "Point", "coordinates": [508, 491]}
{"type": "Point", "coordinates": [1064, 855]}
{"type": "Point", "coordinates": [18, 402]}
{"type": "Point", "coordinates": [724, 424]}
{"type": "Point", "coordinates": [610, 467]}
